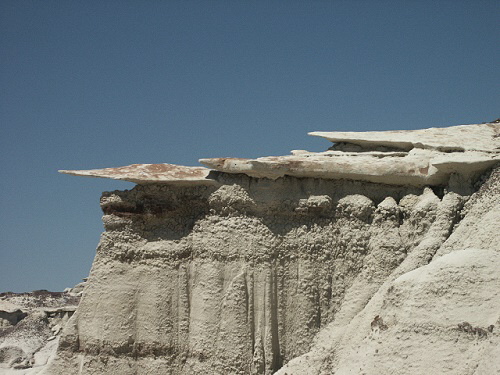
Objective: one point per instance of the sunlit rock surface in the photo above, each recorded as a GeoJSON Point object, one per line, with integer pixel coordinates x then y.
{"type": "Point", "coordinates": [407, 157]}
{"type": "Point", "coordinates": [151, 173]}
{"type": "Point", "coordinates": [377, 256]}
{"type": "Point", "coordinates": [480, 137]}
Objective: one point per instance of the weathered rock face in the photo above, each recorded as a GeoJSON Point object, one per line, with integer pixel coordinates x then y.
{"type": "Point", "coordinates": [246, 274]}
{"type": "Point", "coordinates": [235, 279]}
{"type": "Point", "coordinates": [438, 316]}
{"type": "Point", "coordinates": [30, 324]}
{"type": "Point", "coordinates": [417, 157]}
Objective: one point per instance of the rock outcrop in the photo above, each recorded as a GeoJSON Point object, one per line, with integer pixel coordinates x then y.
{"type": "Point", "coordinates": [411, 157]}
{"type": "Point", "coordinates": [30, 327]}
{"type": "Point", "coordinates": [418, 157]}
{"type": "Point", "coordinates": [152, 173]}
{"type": "Point", "coordinates": [366, 258]}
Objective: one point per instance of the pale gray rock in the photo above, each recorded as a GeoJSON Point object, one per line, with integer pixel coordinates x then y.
{"type": "Point", "coordinates": [439, 306]}
{"type": "Point", "coordinates": [409, 157]}
{"type": "Point", "coordinates": [477, 137]}
{"type": "Point", "coordinates": [441, 318]}
{"type": "Point", "coordinates": [424, 157]}
{"type": "Point", "coordinates": [418, 167]}
{"type": "Point", "coordinates": [369, 258]}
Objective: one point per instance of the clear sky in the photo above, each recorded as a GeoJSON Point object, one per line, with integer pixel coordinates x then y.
{"type": "Point", "coordinates": [92, 84]}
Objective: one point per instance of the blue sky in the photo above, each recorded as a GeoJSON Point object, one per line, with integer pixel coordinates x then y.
{"type": "Point", "coordinates": [91, 84]}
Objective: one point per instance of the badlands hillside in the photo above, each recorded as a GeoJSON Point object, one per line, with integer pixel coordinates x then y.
{"type": "Point", "coordinates": [377, 256]}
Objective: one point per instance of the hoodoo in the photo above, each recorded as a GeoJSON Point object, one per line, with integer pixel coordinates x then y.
{"type": "Point", "coordinates": [377, 256]}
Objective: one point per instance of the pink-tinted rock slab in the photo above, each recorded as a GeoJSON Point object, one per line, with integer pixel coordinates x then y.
{"type": "Point", "coordinates": [151, 173]}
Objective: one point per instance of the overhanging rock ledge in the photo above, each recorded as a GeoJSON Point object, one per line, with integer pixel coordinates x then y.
{"type": "Point", "coordinates": [378, 256]}
{"type": "Point", "coordinates": [409, 157]}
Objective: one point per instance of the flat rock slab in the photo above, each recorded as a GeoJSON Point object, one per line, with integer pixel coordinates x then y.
{"type": "Point", "coordinates": [418, 167]}
{"type": "Point", "coordinates": [480, 137]}
{"type": "Point", "coordinates": [151, 173]}
{"type": "Point", "coordinates": [406, 157]}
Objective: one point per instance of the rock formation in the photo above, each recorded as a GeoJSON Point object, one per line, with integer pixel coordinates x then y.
{"type": "Point", "coordinates": [30, 327]}
{"type": "Point", "coordinates": [377, 256]}
{"type": "Point", "coordinates": [418, 157]}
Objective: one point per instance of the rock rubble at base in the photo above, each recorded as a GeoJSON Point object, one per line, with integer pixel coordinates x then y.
{"type": "Point", "coordinates": [30, 326]}
{"type": "Point", "coordinates": [406, 157]}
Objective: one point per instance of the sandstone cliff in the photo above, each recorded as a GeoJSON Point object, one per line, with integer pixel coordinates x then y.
{"type": "Point", "coordinates": [377, 256]}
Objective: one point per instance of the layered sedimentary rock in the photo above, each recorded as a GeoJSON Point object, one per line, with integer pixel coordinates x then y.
{"type": "Point", "coordinates": [418, 157]}
{"type": "Point", "coordinates": [304, 261]}
{"type": "Point", "coordinates": [438, 312]}
{"type": "Point", "coordinates": [410, 157]}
